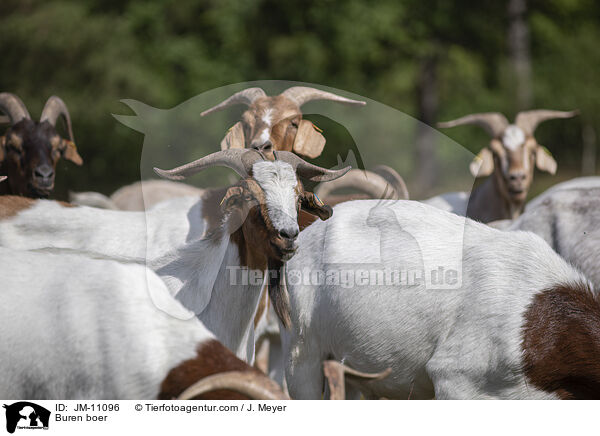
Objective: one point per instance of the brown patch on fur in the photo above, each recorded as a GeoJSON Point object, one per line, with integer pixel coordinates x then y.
{"type": "Point", "coordinates": [561, 342]}
{"type": "Point", "coordinates": [262, 306]}
{"type": "Point", "coordinates": [211, 207]}
{"type": "Point", "coordinates": [11, 205]}
{"type": "Point", "coordinates": [212, 358]}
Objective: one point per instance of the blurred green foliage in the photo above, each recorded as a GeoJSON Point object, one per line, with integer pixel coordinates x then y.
{"type": "Point", "coordinates": [93, 53]}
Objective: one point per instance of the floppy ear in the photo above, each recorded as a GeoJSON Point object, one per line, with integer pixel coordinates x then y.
{"type": "Point", "coordinates": [234, 137]}
{"type": "Point", "coordinates": [309, 142]}
{"type": "Point", "coordinates": [2, 142]}
{"type": "Point", "coordinates": [483, 164]}
{"type": "Point", "coordinates": [70, 152]}
{"type": "Point", "coordinates": [312, 204]}
{"type": "Point", "coordinates": [232, 198]}
{"type": "Point", "coordinates": [544, 160]}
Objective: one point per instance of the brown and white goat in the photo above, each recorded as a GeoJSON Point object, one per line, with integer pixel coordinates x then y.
{"type": "Point", "coordinates": [275, 123]}
{"type": "Point", "coordinates": [29, 150]}
{"type": "Point", "coordinates": [510, 158]}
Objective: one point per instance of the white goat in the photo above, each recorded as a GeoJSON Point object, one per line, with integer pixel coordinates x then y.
{"type": "Point", "coordinates": [77, 328]}
{"type": "Point", "coordinates": [257, 229]}
{"type": "Point", "coordinates": [499, 323]}
{"type": "Point", "coordinates": [136, 196]}
{"type": "Point", "coordinates": [567, 217]}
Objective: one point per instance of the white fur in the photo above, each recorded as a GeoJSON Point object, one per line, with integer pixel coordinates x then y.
{"type": "Point", "coordinates": [77, 328]}
{"type": "Point", "coordinates": [278, 180]}
{"type": "Point", "coordinates": [267, 116]}
{"type": "Point", "coordinates": [457, 343]}
{"type": "Point", "coordinates": [265, 135]}
{"type": "Point", "coordinates": [513, 137]}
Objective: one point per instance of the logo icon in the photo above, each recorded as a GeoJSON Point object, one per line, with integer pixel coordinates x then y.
{"type": "Point", "coordinates": [26, 415]}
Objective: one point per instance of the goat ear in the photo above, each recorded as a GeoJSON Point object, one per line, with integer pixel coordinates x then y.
{"type": "Point", "coordinates": [232, 198]}
{"type": "Point", "coordinates": [70, 152]}
{"type": "Point", "coordinates": [234, 137]}
{"type": "Point", "coordinates": [483, 164]}
{"type": "Point", "coordinates": [308, 142]}
{"type": "Point", "coordinates": [544, 160]}
{"type": "Point", "coordinates": [2, 142]}
{"type": "Point", "coordinates": [312, 204]}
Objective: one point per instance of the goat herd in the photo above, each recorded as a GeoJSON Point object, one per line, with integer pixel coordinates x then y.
{"type": "Point", "coordinates": [244, 291]}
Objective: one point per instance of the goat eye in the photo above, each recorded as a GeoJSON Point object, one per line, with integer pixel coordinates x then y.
{"type": "Point", "coordinates": [295, 124]}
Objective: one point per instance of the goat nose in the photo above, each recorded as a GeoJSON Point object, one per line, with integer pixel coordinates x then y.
{"type": "Point", "coordinates": [44, 171]}
{"type": "Point", "coordinates": [289, 233]}
{"type": "Point", "coordinates": [516, 177]}
{"type": "Point", "coordinates": [262, 146]}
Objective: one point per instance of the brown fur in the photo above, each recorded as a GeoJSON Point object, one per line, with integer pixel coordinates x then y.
{"type": "Point", "coordinates": [561, 342]}
{"type": "Point", "coordinates": [285, 117]}
{"type": "Point", "coordinates": [212, 358]}
{"type": "Point", "coordinates": [11, 205]}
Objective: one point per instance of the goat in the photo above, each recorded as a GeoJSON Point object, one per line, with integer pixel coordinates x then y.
{"type": "Point", "coordinates": [275, 123]}
{"type": "Point", "coordinates": [568, 218]}
{"type": "Point", "coordinates": [29, 150]}
{"type": "Point", "coordinates": [511, 156]}
{"type": "Point", "coordinates": [136, 196]}
{"type": "Point", "coordinates": [257, 229]}
{"type": "Point", "coordinates": [96, 329]}
{"type": "Point", "coordinates": [504, 324]}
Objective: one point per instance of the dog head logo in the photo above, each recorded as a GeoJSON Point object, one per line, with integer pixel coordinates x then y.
{"type": "Point", "coordinates": [26, 415]}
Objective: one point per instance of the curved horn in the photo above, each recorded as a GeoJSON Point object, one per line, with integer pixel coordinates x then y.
{"type": "Point", "coordinates": [239, 160]}
{"type": "Point", "coordinates": [394, 179]}
{"type": "Point", "coordinates": [529, 120]}
{"type": "Point", "coordinates": [307, 170]}
{"type": "Point", "coordinates": [250, 384]}
{"type": "Point", "coordinates": [54, 108]}
{"type": "Point", "coordinates": [335, 373]}
{"type": "Point", "coordinates": [368, 182]}
{"type": "Point", "coordinates": [13, 107]}
{"type": "Point", "coordinates": [304, 94]}
{"type": "Point", "coordinates": [493, 122]}
{"type": "Point", "coordinates": [245, 96]}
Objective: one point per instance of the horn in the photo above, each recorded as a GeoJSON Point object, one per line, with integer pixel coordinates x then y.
{"type": "Point", "coordinates": [239, 160]}
{"type": "Point", "coordinates": [54, 108]}
{"type": "Point", "coordinates": [529, 120]}
{"type": "Point", "coordinates": [336, 371]}
{"type": "Point", "coordinates": [493, 122]}
{"type": "Point", "coordinates": [2, 178]}
{"type": "Point", "coordinates": [368, 182]}
{"type": "Point", "coordinates": [13, 107]}
{"type": "Point", "coordinates": [246, 96]}
{"type": "Point", "coordinates": [394, 179]}
{"type": "Point", "coordinates": [304, 94]}
{"type": "Point", "coordinates": [250, 384]}
{"type": "Point", "coordinates": [307, 170]}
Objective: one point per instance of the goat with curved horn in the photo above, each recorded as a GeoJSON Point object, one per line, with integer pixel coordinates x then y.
{"type": "Point", "coordinates": [55, 108]}
{"type": "Point", "coordinates": [246, 96]}
{"type": "Point", "coordinates": [252, 385]}
{"type": "Point", "coordinates": [529, 120]}
{"type": "Point", "coordinates": [13, 107]}
{"type": "Point", "coordinates": [241, 161]}
{"type": "Point", "coordinates": [304, 94]}
{"type": "Point", "coordinates": [493, 122]}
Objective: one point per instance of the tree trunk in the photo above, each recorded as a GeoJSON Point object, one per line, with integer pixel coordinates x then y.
{"type": "Point", "coordinates": [427, 101]}
{"type": "Point", "coordinates": [518, 47]}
